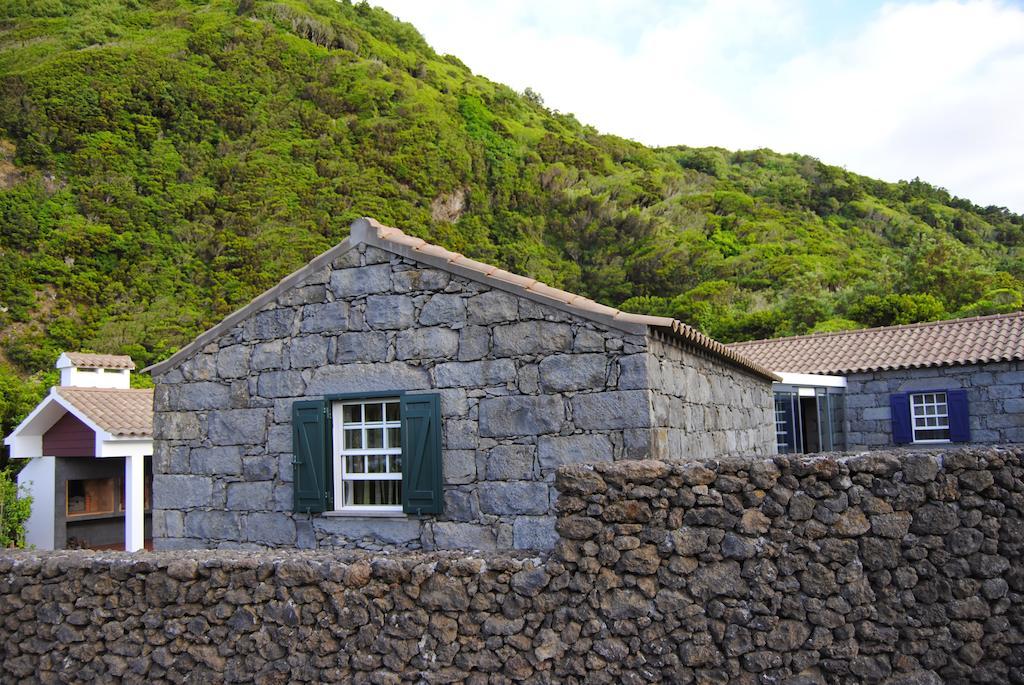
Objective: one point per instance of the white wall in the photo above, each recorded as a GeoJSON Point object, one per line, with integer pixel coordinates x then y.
{"type": "Point", "coordinates": [38, 477]}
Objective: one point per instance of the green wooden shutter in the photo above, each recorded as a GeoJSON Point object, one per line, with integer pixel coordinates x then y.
{"type": "Point", "coordinates": [310, 446]}
{"type": "Point", "coordinates": [422, 486]}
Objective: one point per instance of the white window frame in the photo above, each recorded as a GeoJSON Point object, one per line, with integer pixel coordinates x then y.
{"type": "Point", "coordinates": [339, 460]}
{"type": "Point", "coordinates": [935, 402]}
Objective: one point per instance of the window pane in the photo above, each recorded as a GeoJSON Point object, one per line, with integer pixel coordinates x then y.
{"type": "Point", "coordinates": [353, 439]}
{"type": "Point", "coordinates": [374, 438]}
{"type": "Point", "coordinates": [373, 493]}
{"type": "Point", "coordinates": [377, 463]}
{"type": "Point", "coordinates": [393, 411]}
{"type": "Point", "coordinates": [374, 413]}
{"type": "Point", "coordinates": [352, 413]}
{"type": "Point", "coordinates": [396, 463]}
{"type": "Point", "coordinates": [355, 464]}
{"type": "Point", "coordinates": [394, 437]}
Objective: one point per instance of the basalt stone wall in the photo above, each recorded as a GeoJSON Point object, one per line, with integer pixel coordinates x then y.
{"type": "Point", "coordinates": [995, 401]}
{"type": "Point", "coordinates": [705, 409]}
{"type": "Point", "coordinates": [524, 387]}
{"type": "Point", "coordinates": [893, 568]}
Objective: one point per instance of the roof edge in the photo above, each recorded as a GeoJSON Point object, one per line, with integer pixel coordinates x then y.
{"type": "Point", "coordinates": [859, 331]}
{"type": "Point", "coordinates": [255, 305]}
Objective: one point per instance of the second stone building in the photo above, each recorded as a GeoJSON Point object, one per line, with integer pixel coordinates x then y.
{"type": "Point", "coordinates": [393, 393]}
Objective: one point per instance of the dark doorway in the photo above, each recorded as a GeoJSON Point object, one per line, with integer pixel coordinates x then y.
{"type": "Point", "coordinates": [809, 427]}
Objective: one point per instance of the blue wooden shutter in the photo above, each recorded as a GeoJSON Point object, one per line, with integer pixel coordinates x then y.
{"type": "Point", "coordinates": [959, 418]}
{"type": "Point", "coordinates": [310, 446]}
{"type": "Point", "coordinates": [421, 455]}
{"type": "Point", "coordinates": [901, 430]}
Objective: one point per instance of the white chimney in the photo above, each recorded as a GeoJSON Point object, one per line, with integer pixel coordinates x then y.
{"type": "Point", "coordinates": [86, 370]}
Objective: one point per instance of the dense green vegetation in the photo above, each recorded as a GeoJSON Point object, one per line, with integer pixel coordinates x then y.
{"type": "Point", "coordinates": [162, 162]}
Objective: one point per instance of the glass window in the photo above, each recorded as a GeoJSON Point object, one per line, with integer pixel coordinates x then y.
{"type": "Point", "coordinates": [368, 455]}
{"type": "Point", "coordinates": [929, 414]}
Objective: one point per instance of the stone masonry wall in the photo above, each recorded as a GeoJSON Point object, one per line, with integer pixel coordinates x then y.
{"type": "Point", "coordinates": [704, 409]}
{"type": "Point", "coordinates": [898, 568]}
{"type": "Point", "coordinates": [524, 389]}
{"type": "Point", "coordinates": [995, 401]}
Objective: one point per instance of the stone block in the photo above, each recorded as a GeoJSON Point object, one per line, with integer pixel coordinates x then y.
{"type": "Point", "coordinates": [518, 415]}
{"type": "Point", "coordinates": [460, 434]}
{"type": "Point", "coordinates": [494, 305]}
{"type": "Point", "coordinates": [346, 378]}
{"type": "Point", "coordinates": [279, 438]}
{"type": "Point", "coordinates": [420, 279]}
{"type": "Point", "coordinates": [273, 384]}
{"type": "Point", "coordinates": [303, 295]}
{"type": "Point", "coordinates": [237, 426]}
{"type": "Point", "coordinates": [307, 350]}
{"type": "Point", "coordinates": [557, 450]}
{"type": "Point", "coordinates": [200, 395]}
{"type": "Point", "coordinates": [324, 317]}
{"type": "Point", "coordinates": [450, 535]}
{"type": "Point", "coordinates": [877, 414]}
{"type": "Point", "coordinates": [256, 496]}
{"type": "Point", "coordinates": [270, 528]}
{"type": "Point", "coordinates": [507, 462]}
{"type": "Point", "coordinates": [427, 343]}
{"type": "Point", "coordinates": [443, 310]}
{"type": "Point", "coordinates": [396, 531]}
{"type": "Point", "coordinates": [390, 312]}
{"type": "Point", "coordinates": [226, 461]}
{"type": "Point", "coordinates": [259, 467]}
{"type": "Point", "coordinates": [233, 361]}
{"type": "Point", "coordinates": [461, 505]}
{"type": "Point", "coordinates": [364, 280]}
{"type": "Point", "coordinates": [513, 498]}
{"type": "Point", "coordinates": [531, 337]}
{"type": "Point", "coordinates": [562, 372]}
{"type": "Point", "coordinates": [371, 346]}
{"type": "Point", "coordinates": [176, 425]}
{"type": "Point", "coordinates": [611, 410]}
{"type": "Point", "coordinates": [634, 371]}
{"type": "Point", "coordinates": [588, 340]}
{"type": "Point", "coordinates": [213, 525]}
{"type": "Point", "coordinates": [181, 492]}
{"type": "Point", "coordinates": [474, 342]}
{"type": "Point", "coordinates": [268, 355]}
{"type": "Point", "coordinates": [475, 374]}
{"type": "Point", "coordinates": [534, 533]}
{"type": "Point", "coordinates": [459, 466]}
{"type": "Point", "coordinates": [269, 325]}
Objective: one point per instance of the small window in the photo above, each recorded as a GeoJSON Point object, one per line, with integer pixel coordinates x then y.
{"type": "Point", "coordinates": [90, 496]}
{"type": "Point", "coordinates": [367, 460]}
{"type": "Point", "coordinates": [929, 413]}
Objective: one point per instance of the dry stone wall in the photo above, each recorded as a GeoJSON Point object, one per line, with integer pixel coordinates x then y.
{"type": "Point", "coordinates": [894, 568]}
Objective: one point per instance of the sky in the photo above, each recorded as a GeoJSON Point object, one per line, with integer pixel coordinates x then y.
{"type": "Point", "coordinates": [892, 90]}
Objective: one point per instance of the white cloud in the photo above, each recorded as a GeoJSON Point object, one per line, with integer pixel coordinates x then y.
{"type": "Point", "coordinates": [927, 89]}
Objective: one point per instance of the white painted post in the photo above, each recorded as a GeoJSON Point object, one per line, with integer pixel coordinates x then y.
{"type": "Point", "coordinates": [134, 506]}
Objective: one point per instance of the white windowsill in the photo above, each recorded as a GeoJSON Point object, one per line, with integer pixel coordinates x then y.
{"type": "Point", "coordinates": [355, 513]}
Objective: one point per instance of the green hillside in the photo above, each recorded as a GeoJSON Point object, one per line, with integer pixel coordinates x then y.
{"type": "Point", "coordinates": [162, 162]}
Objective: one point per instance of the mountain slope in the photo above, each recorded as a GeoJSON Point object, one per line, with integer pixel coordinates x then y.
{"type": "Point", "coordinates": [163, 162]}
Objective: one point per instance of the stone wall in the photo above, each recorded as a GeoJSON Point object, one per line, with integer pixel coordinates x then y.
{"type": "Point", "coordinates": [892, 568]}
{"type": "Point", "coordinates": [705, 409]}
{"type": "Point", "coordinates": [524, 389]}
{"type": "Point", "coordinates": [995, 401]}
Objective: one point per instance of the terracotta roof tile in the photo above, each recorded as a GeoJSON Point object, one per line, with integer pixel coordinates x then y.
{"type": "Point", "coordinates": [940, 343]}
{"type": "Point", "coordinates": [124, 413]}
{"type": "Point", "coordinates": [100, 361]}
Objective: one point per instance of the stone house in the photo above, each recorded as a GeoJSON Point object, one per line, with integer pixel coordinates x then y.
{"type": "Point", "coordinates": [391, 392]}
{"type": "Point", "coordinates": [88, 446]}
{"type": "Point", "coordinates": [956, 381]}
